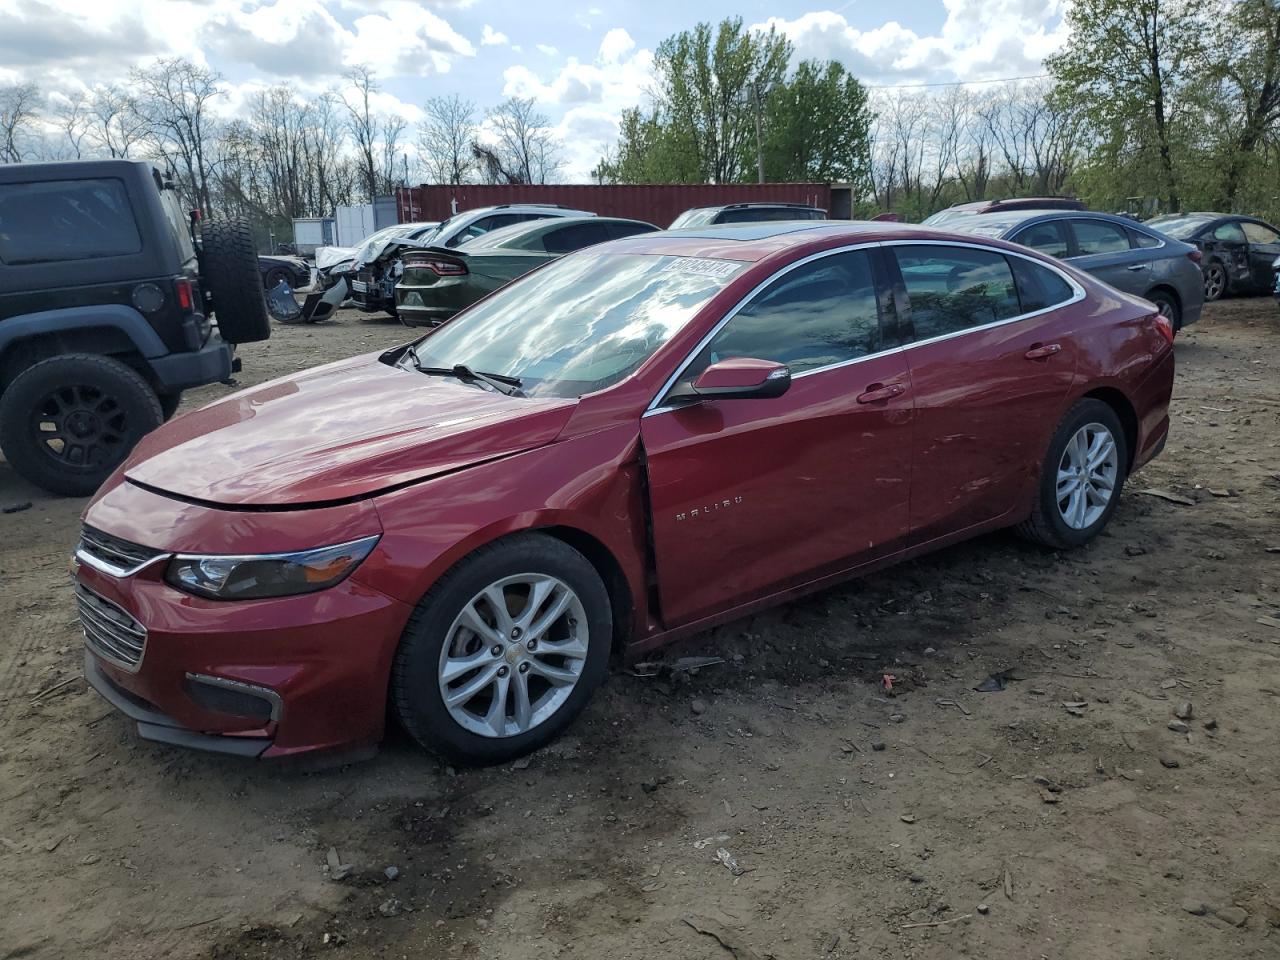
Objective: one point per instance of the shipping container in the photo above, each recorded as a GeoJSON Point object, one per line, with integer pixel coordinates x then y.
{"type": "Point", "coordinates": [359, 220]}
{"type": "Point", "coordinates": [312, 232]}
{"type": "Point", "coordinates": [655, 203]}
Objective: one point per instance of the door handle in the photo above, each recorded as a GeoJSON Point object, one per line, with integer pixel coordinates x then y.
{"type": "Point", "coordinates": [879, 391]}
{"type": "Point", "coordinates": [1137, 266]}
{"type": "Point", "coordinates": [1043, 351]}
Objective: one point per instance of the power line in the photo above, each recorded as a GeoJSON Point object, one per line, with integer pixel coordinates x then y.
{"type": "Point", "coordinates": [952, 83]}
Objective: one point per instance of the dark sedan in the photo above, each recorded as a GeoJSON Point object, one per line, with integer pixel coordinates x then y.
{"type": "Point", "coordinates": [1238, 251]}
{"type": "Point", "coordinates": [294, 270]}
{"type": "Point", "coordinates": [1129, 256]}
{"type": "Point", "coordinates": [438, 282]}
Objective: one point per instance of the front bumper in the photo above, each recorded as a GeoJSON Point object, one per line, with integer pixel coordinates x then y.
{"type": "Point", "coordinates": [267, 678]}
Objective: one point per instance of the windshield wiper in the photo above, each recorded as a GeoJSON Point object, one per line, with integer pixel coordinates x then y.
{"type": "Point", "coordinates": [500, 382]}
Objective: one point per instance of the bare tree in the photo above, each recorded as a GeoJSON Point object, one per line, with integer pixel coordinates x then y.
{"type": "Point", "coordinates": [445, 138]}
{"type": "Point", "coordinates": [362, 122]}
{"type": "Point", "coordinates": [73, 116]}
{"type": "Point", "coordinates": [18, 105]}
{"type": "Point", "coordinates": [174, 101]}
{"type": "Point", "coordinates": [116, 123]}
{"type": "Point", "coordinates": [525, 143]}
{"type": "Point", "coordinates": [391, 128]}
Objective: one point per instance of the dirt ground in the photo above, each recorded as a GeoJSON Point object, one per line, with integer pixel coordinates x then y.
{"type": "Point", "coordinates": [1060, 817]}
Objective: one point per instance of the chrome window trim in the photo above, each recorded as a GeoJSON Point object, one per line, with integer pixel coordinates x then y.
{"type": "Point", "coordinates": [240, 686]}
{"type": "Point", "coordinates": [111, 570]}
{"type": "Point", "coordinates": [1077, 294]}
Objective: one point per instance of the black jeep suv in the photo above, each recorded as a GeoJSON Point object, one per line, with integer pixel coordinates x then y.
{"type": "Point", "coordinates": [108, 297]}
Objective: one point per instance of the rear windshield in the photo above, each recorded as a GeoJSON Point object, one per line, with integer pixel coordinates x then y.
{"type": "Point", "coordinates": [1178, 227]}
{"type": "Point", "coordinates": [61, 220]}
{"type": "Point", "coordinates": [582, 323]}
{"type": "Point", "coordinates": [698, 217]}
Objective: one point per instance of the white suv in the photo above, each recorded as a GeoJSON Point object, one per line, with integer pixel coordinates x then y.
{"type": "Point", "coordinates": [462, 227]}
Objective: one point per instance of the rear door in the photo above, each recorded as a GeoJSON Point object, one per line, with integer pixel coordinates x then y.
{"type": "Point", "coordinates": [1105, 250]}
{"type": "Point", "coordinates": [1264, 247]}
{"type": "Point", "coordinates": [1047, 236]}
{"type": "Point", "coordinates": [752, 496]}
{"type": "Point", "coordinates": [1226, 243]}
{"type": "Point", "coordinates": [991, 362]}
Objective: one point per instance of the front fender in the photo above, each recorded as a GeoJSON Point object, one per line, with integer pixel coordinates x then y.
{"type": "Point", "coordinates": [591, 484]}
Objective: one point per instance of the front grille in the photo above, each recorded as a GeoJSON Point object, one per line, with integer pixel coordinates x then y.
{"type": "Point", "coordinates": [108, 631]}
{"type": "Point", "coordinates": [121, 555]}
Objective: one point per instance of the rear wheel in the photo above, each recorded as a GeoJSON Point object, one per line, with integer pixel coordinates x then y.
{"type": "Point", "coordinates": [1080, 479]}
{"type": "Point", "coordinates": [67, 422]}
{"type": "Point", "coordinates": [504, 651]}
{"type": "Point", "coordinates": [1215, 282]}
{"type": "Point", "coordinates": [229, 269]}
{"type": "Point", "coordinates": [1168, 306]}
{"type": "Point", "coordinates": [274, 276]}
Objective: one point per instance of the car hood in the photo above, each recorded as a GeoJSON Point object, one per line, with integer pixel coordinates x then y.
{"type": "Point", "coordinates": [340, 432]}
{"type": "Point", "coordinates": [328, 256]}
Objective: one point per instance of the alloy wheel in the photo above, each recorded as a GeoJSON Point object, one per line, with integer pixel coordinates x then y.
{"type": "Point", "coordinates": [1215, 282]}
{"type": "Point", "coordinates": [1087, 475]}
{"type": "Point", "coordinates": [80, 426]}
{"type": "Point", "coordinates": [513, 655]}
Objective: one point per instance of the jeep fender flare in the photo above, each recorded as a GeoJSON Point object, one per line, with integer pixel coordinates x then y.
{"type": "Point", "coordinates": [70, 320]}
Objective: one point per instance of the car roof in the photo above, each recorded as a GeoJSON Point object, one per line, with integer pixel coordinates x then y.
{"type": "Point", "coordinates": [758, 240]}
{"type": "Point", "coordinates": [502, 235]}
{"type": "Point", "coordinates": [1012, 219]}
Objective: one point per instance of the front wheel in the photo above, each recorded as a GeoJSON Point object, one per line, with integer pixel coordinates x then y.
{"type": "Point", "coordinates": [1080, 479]}
{"type": "Point", "coordinates": [504, 651]}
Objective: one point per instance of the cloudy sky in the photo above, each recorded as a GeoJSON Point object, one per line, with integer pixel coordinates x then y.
{"type": "Point", "coordinates": [584, 61]}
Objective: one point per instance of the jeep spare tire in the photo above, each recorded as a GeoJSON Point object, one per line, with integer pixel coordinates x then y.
{"type": "Point", "coordinates": [229, 271]}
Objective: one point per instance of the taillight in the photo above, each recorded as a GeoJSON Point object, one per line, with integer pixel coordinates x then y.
{"type": "Point", "coordinates": [1195, 256]}
{"type": "Point", "coordinates": [186, 298]}
{"type": "Point", "coordinates": [1164, 326]}
{"type": "Point", "coordinates": [443, 268]}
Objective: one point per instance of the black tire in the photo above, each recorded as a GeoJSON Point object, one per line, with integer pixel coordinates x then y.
{"type": "Point", "coordinates": [1217, 283]}
{"type": "Point", "coordinates": [1168, 306]}
{"type": "Point", "coordinates": [169, 403]}
{"type": "Point", "coordinates": [415, 686]}
{"type": "Point", "coordinates": [100, 409]}
{"type": "Point", "coordinates": [274, 276]}
{"type": "Point", "coordinates": [1046, 525]}
{"type": "Point", "coordinates": [229, 271]}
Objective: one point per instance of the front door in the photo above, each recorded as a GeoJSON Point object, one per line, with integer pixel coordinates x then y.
{"type": "Point", "coordinates": [752, 496]}
{"type": "Point", "coordinates": [989, 371]}
{"type": "Point", "coordinates": [1264, 247]}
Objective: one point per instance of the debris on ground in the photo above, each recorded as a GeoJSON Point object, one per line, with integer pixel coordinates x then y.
{"type": "Point", "coordinates": [390, 907]}
{"type": "Point", "coordinates": [337, 869]}
{"type": "Point", "coordinates": [729, 862]}
{"type": "Point", "coordinates": [1233, 915]}
{"type": "Point", "coordinates": [1170, 496]}
{"type": "Point", "coordinates": [1184, 710]}
{"type": "Point", "coordinates": [698, 707]}
{"type": "Point", "coordinates": [997, 681]}
{"type": "Point", "coordinates": [1177, 726]}
{"type": "Point", "coordinates": [16, 507]}
{"type": "Point", "coordinates": [720, 933]}
{"type": "Point", "coordinates": [690, 665]}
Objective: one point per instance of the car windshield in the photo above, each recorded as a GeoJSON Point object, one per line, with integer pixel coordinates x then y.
{"type": "Point", "coordinates": [698, 217]}
{"type": "Point", "coordinates": [581, 324]}
{"type": "Point", "coordinates": [1178, 227]}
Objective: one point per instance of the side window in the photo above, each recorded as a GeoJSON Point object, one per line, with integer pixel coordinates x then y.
{"type": "Point", "coordinates": [1229, 233]}
{"type": "Point", "coordinates": [954, 288]}
{"type": "Point", "coordinates": [1039, 287]}
{"type": "Point", "coordinates": [821, 313]}
{"type": "Point", "coordinates": [1098, 236]}
{"type": "Point", "coordinates": [1258, 233]}
{"type": "Point", "coordinates": [1144, 241]}
{"type": "Point", "coordinates": [574, 237]}
{"type": "Point", "coordinates": [620, 230]}
{"type": "Point", "coordinates": [66, 220]}
{"type": "Point", "coordinates": [1048, 237]}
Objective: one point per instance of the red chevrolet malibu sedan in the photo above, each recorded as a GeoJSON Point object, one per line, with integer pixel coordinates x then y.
{"type": "Point", "coordinates": [634, 443]}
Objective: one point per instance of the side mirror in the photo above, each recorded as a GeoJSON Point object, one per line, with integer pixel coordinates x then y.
{"type": "Point", "coordinates": [739, 378]}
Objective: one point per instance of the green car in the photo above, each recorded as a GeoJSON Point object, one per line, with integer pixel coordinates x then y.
{"type": "Point", "coordinates": [438, 282]}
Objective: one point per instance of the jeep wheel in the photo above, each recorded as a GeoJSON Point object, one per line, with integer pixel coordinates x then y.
{"type": "Point", "coordinates": [169, 403]}
{"type": "Point", "coordinates": [229, 270]}
{"type": "Point", "coordinates": [67, 422]}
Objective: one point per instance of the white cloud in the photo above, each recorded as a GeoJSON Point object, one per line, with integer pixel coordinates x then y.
{"type": "Point", "coordinates": [617, 43]}
{"type": "Point", "coordinates": [546, 48]}
{"type": "Point", "coordinates": [979, 40]}
{"type": "Point", "coordinates": [490, 37]}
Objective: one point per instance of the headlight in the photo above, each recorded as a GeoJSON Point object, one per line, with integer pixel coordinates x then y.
{"type": "Point", "coordinates": [267, 575]}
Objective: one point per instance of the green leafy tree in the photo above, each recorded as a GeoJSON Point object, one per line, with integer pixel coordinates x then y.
{"type": "Point", "coordinates": [817, 127]}
{"type": "Point", "coordinates": [1129, 68]}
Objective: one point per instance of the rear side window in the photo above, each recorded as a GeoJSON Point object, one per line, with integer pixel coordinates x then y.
{"type": "Point", "coordinates": [1229, 232]}
{"type": "Point", "coordinates": [1039, 288]}
{"type": "Point", "coordinates": [819, 314]}
{"type": "Point", "coordinates": [1144, 241]}
{"type": "Point", "coordinates": [1098, 236]}
{"type": "Point", "coordinates": [574, 237]}
{"type": "Point", "coordinates": [758, 214]}
{"type": "Point", "coordinates": [954, 288]}
{"type": "Point", "coordinates": [1049, 238]}
{"type": "Point", "coordinates": [620, 230]}
{"type": "Point", "coordinates": [62, 220]}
